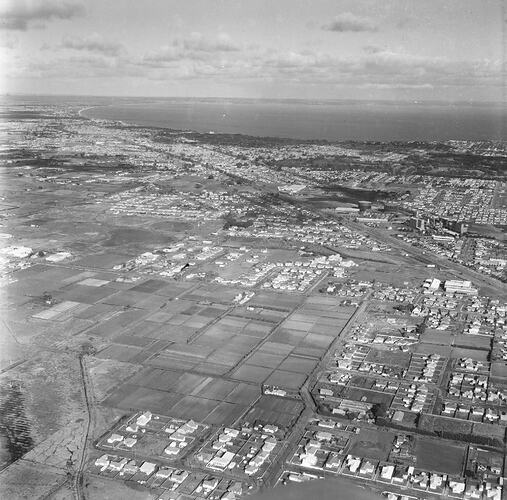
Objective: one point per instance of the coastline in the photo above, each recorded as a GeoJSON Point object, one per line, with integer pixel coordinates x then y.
{"type": "Point", "coordinates": [366, 124]}
{"type": "Point", "coordinates": [90, 107]}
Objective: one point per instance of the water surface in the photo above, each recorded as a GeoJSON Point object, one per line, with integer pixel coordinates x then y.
{"type": "Point", "coordinates": [333, 121]}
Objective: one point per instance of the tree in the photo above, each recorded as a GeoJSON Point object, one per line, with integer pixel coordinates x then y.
{"type": "Point", "coordinates": [47, 298]}
{"type": "Point", "coordinates": [379, 410]}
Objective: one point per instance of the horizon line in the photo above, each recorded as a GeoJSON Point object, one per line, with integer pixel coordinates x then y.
{"type": "Point", "coordinates": [289, 99]}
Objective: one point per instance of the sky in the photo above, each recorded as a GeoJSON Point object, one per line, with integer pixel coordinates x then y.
{"type": "Point", "coordinates": [417, 50]}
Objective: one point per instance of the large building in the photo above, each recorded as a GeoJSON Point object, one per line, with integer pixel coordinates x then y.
{"type": "Point", "coordinates": [457, 286]}
{"type": "Point", "coordinates": [418, 223]}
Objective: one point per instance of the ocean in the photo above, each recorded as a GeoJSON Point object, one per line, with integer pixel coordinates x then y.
{"type": "Point", "coordinates": [332, 121]}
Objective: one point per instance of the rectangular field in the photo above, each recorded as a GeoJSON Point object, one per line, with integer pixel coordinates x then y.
{"type": "Point", "coordinates": [433, 455]}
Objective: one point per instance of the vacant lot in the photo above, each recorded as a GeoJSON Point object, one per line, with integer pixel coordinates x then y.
{"type": "Point", "coordinates": [433, 455]}
{"type": "Point", "coordinates": [473, 341]}
{"type": "Point", "coordinates": [373, 444]}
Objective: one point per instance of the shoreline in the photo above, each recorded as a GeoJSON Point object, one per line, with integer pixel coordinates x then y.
{"type": "Point", "coordinates": [79, 113]}
{"type": "Point", "coordinates": [284, 137]}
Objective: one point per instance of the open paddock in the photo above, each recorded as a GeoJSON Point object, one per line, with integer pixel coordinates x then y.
{"type": "Point", "coordinates": [436, 424]}
{"type": "Point", "coordinates": [205, 356]}
{"type": "Point", "coordinates": [396, 275]}
{"type": "Point", "coordinates": [271, 409]}
{"type": "Point", "coordinates": [225, 414]}
{"type": "Point", "coordinates": [286, 380]}
{"type": "Point", "coordinates": [499, 370]}
{"type": "Point", "coordinates": [327, 305]}
{"type": "Point", "coordinates": [185, 395]}
{"type": "Point", "coordinates": [266, 359]}
{"type": "Point", "coordinates": [211, 368]}
{"type": "Point", "coordinates": [317, 340]}
{"type": "Point", "coordinates": [493, 431]}
{"type": "Point", "coordinates": [152, 302]}
{"type": "Point", "coordinates": [239, 326]}
{"type": "Point", "coordinates": [132, 398]}
{"type": "Point", "coordinates": [97, 312]}
{"type": "Point", "coordinates": [173, 333]}
{"type": "Point", "coordinates": [274, 300]}
{"type": "Point", "coordinates": [298, 365]}
{"type": "Point", "coordinates": [280, 405]}
{"type": "Point", "coordinates": [422, 348]}
{"type": "Point", "coordinates": [166, 380]}
{"type": "Point", "coordinates": [127, 339]}
{"type": "Point", "coordinates": [372, 443]}
{"type": "Point", "coordinates": [119, 352]}
{"type": "Point", "coordinates": [193, 407]}
{"type": "Point", "coordinates": [288, 336]}
{"type": "Point", "coordinates": [391, 358]}
{"type": "Point", "coordinates": [282, 360]}
{"type": "Point", "coordinates": [310, 352]}
{"type": "Point", "coordinates": [273, 347]}
{"type": "Point", "coordinates": [244, 394]}
{"type": "Point", "coordinates": [176, 306]}
{"type": "Point", "coordinates": [439, 456]}
{"type": "Point", "coordinates": [225, 357]}
{"type": "Point", "coordinates": [149, 286]}
{"type": "Point", "coordinates": [251, 373]}
{"type": "Point", "coordinates": [171, 362]}
{"type": "Point", "coordinates": [437, 337]}
{"type": "Point", "coordinates": [60, 311]}
{"type": "Point", "coordinates": [173, 289]}
{"type": "Point", "coordinates": [126, 298]}
{"type": "Point", "coordinates": [113, 326]}
{"type": "Point", "coordinates": [87, 294]}
{"type": "Point", "coordinates": [373, 397]}
{"type": "Point", "coordinates": [473, 341]}
{"type": "Point", "coordinates": [258, 313]}
{"type": "Point", "coordinates": [212, 294]}
{"type": "Point", "coordinates": [50, 273]}
{"type": "Point", "coordinates": [103, 260]}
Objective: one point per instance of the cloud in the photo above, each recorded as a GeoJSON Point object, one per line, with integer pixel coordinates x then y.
{"type": "Point", "coordinates": [93, 43]}
{"type": "Point", "coordinates": [397, 86]}
{"type": "Point", "coordinates": [375, 68]}
{"type": "Point", "coordinates": [194, 47]}
{"type": "Point", "coordinates": [80, 66]}
{"type": "Point", "coordinates": [197, 42]}
{"type": "Point", "coordinates": [348, 22]}
{"type": "Point", "coordinates": [164, 54]}
{"type": "Point", "coordinates": [8, 41]}
{"type": "Point", "coordinates": [20, 14]}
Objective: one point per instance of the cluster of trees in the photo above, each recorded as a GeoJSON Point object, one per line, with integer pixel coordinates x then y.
{"type": "Point", "coordinates": [230, 220]}
{"type": "Point", "coordinates": [455, 435]}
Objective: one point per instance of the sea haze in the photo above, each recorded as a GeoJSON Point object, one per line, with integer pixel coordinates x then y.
{"type": "Point", "coordinates": [333, 121]}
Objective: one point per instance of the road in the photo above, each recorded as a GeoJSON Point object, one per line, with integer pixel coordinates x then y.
{"type": "Point", "coordinates": [89, 401]}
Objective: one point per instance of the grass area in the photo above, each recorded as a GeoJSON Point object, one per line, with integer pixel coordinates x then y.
{"type": "Point", "coordinates": [374, 444]}
{"type": "Point", "coordinates": [443, 457]}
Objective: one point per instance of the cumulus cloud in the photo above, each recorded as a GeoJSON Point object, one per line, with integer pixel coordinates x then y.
{"type": "Point", "coordinates": [20, 14]}
{"type": "Point", "coordinates": [163, 54]}
{"type": "Point", "coordinates": [82, 65]}
{"type": "Point", "coordinates": [199, 43]}
{"type": "Point", "coordinates": [196, 46]}
{"type": "Point", "coordinates": [93, 43]}
{"type": "Point", "coordinates": [348, 22]}
{"type": "Point", "coordinates": [375, 68]}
